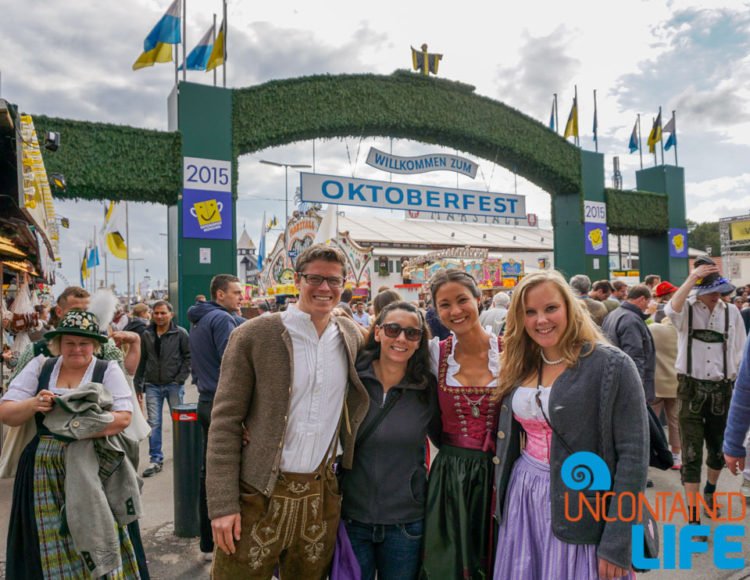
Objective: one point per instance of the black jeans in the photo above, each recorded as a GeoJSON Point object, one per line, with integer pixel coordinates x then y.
{"type": "Point", "coordinates": [204, 418]}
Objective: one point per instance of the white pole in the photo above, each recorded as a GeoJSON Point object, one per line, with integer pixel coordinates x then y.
{"type": "Point", "coordinates": [127, 254]}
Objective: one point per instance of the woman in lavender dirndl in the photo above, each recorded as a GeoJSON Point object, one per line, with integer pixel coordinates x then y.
{"type": "Point", "coordinates": [567, 391]}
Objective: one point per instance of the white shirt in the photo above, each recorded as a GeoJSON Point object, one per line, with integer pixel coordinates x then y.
{"type": "Point", "coordinates": [708, 358]}
{"type": "Point", "coordinates": [25, 384]}
{"type": "Point", "coordinates": [320, 368]}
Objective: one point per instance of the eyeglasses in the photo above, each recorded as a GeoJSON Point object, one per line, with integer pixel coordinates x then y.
{"type": "Point", "coordinates": [317, 280]}
{"type": "Point", "coordinates": [393, 330]}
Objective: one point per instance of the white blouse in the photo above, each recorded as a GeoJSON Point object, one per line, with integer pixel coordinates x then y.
{"type": "Point", "coordinates": [524, 403]}
{"type": "Point", "coordinates": [26, 382]}
{"type": "Point", "coordinates": [493, 364]}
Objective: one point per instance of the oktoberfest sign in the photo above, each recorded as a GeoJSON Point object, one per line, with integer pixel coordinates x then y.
{"type": "Point", "coordinates": [338, 190]}
{"type": "Point", "coordinates": [422, 164]}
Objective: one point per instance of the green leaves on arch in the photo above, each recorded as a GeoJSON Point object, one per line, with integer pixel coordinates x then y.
{"type": "Point", "coordinates": [404, 105]}
{"type": "Point", "coordinates": [114, 162]}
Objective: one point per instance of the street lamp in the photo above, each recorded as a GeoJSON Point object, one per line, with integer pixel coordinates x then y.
{"type": "Point", "coordinates": [286, 167]}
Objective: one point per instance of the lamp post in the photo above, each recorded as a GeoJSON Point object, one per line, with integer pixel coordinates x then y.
{"type": "Point", "coordinates": [286, 167]}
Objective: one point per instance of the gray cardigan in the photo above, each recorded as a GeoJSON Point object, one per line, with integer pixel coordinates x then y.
{"type": "Point", "coordinates": [101, 485]}
{"type": "Point", "coordinates": [598, 406]}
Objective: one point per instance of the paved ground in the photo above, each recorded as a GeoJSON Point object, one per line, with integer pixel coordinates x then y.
{"type": "Point", "coordinates": [180, 558]}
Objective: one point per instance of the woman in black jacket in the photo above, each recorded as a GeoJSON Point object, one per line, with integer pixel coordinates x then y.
{"type": "Point", "coordinates": [384, 492]}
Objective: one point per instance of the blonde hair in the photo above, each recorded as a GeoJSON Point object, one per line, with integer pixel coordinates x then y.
{"type": "Point", "coordinates": [520, 357]}
{"type": "Point", "coordinates": [54, 345]}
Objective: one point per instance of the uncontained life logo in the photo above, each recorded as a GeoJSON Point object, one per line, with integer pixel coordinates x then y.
{"type": "Point", "coordinates": [592, 497]}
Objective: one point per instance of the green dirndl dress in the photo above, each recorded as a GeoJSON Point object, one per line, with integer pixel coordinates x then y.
{"type": "Point", "coordinates": [458, 531]}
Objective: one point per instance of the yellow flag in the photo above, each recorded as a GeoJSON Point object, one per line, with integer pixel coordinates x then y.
{"type": "Point", "coordinates": [113, 231]}
{"type": "Point", "coordinates": [162, 53]}
{"type": "Point", "coordinates": [217, 52]}
{"type": "Point", "coordinates": [571, 128]}
{"type": "Point", "coordinates": [655, 136]}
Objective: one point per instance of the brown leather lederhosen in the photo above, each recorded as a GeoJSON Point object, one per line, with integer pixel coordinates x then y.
{"type": "Point", "coordinates": [295, 528]}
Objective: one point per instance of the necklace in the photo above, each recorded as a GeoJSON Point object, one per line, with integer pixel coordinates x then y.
{"type": "Point", "coordinates": [475, 405]}
{"type": "Point", "coordinates": [550, 362]}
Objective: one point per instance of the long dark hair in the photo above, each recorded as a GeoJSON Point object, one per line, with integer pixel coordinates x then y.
{"type": "Point", "coordinates": [418, 366]}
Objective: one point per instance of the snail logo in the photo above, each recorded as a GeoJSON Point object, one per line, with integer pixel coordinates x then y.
{"type": "Point", "coordinates": [586, 471]}
{"type": "Point", "coordinates": [208, 214]}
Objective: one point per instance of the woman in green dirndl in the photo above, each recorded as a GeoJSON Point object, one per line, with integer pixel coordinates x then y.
{"type": "Point", "coordinates": [458, 542]}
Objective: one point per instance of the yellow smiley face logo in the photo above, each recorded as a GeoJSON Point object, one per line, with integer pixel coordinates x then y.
{"type": "Point", "coordinates": [595, 236]}
{"type": "Point", "coordinates": [207, 212]}
{"type": "Point", "coordinates": [679, 242]}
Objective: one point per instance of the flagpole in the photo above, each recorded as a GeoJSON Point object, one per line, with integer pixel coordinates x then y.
{"type": "Point", "coordinates": [661, 138]}
{"type": "Point", "coordinates": [575, 120]}
{"type": "Point", "coordinates": [640, 143]}
{"type": "Point", "coordinates": [557, 118]}
{"type": "Point", "coordinates": [184, 39]}
{"type": "Point", "coordinates": [226, 30]}
{"type": "Point", "coordinates": [596, 128]}
{"type": "Point", "coordinates": [96, 255]}
{"type": "Point", "coordinates": [127, 254]}
{"type": "Point", "coordinates": [674, 118]}
{"type": "Point", "coordinates": [176, 72]}
{"type": "Point", "coordinates": [213, 44]}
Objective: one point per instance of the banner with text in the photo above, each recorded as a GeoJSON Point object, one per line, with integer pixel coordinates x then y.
{"type": "Point", "coordinates": [408, 196]}
{"type": "Point", "coordinates": [421, 164]}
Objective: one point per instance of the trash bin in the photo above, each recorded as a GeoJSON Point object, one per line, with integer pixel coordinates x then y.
{"type": "Point", "coordinates": [187, 448]}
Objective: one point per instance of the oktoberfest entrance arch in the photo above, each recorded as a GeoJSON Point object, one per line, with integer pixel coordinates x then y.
{"type": "Point", "coordinates": [211, 127]}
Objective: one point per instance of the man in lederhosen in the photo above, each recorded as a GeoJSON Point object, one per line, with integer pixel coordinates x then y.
{"type": "Point", "coordinates": [711, 337]}
{"type": "Point", "coordinates": [289, 379]}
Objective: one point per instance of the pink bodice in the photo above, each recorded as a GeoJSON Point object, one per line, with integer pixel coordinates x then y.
{"type": "Point", "coordinates": [527, 413]}
{"type": "Point", "coordinates": [469, 416]}
{"type": "Point", "coordinates": [538, 438]}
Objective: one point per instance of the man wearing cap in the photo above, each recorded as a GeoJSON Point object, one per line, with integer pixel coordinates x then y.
{"type": "Point", "coordinates": [711, 337]}
{"type": "Point", "coordinates": [664, 292]}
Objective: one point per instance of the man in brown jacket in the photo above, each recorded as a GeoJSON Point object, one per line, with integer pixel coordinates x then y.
{"type": "Point", "coordinates": [289, 379]}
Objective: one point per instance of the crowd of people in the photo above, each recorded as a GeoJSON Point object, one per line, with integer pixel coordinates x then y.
{"type": "Point", "coordinates": [393, 439]}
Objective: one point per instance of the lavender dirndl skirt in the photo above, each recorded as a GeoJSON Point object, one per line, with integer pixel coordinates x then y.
{"type": "Point", "coordinates": [526, 546]}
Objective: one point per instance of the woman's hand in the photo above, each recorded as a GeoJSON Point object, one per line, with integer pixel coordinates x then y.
{"type": "Point", "coordinates": [608, 570]}
{"type": "Point", "coordinates": [120, 423]}
{"type": "Point", "coordinates": [43, 401]}
{"type": "Point", "coordinates": [226, 530]}
{"type": "Point", "coordinates": [15, 413]}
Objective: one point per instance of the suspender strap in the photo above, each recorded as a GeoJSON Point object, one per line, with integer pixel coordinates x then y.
{"type": "Point", "coordinates": [726, 338]}
{"type": "Point", "coordinates": [99, 369]}
{"type": "Point", "coordinates": [46, 373]}
{"type": "Point", "coordinates": [690, 341]}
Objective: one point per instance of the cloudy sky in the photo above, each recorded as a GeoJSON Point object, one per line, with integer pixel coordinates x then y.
{"type": "Point", "coordinates": [73, 60]}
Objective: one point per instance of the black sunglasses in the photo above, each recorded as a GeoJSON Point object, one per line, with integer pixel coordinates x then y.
{"type": "Point", "coordinates": [393, 330]}
{"type": "Point", "coordinates": [317, 280]}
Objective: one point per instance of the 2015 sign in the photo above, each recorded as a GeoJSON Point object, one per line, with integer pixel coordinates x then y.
{"type": "Point", "coordinates": [207, 174]}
